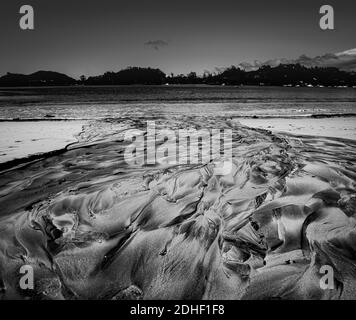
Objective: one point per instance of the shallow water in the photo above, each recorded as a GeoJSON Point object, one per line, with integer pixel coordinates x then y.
{"type": "Point", "coordinates": [93, 226]}
{"type": "Point", "coordinates": [159, 101]}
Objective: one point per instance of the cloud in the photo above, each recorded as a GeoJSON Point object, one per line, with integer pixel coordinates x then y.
{"type": "Point", "coordinates": [156, 44]}
{"type": "Point", "coordinates": [345, 60]}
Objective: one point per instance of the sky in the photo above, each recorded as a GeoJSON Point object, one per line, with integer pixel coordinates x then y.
{"type": "Point", "coordinates": [88, 37]}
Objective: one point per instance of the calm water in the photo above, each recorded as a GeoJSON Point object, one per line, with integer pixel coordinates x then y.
{"type": "Point", "coordinates": [129, 101]}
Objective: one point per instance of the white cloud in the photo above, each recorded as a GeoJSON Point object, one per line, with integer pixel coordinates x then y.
{"type": "Point", "coordinates": [156, 44]}
{"type": "Point", "coordinates": [345, 60]}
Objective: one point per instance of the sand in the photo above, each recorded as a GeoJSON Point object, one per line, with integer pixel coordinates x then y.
{"type": "Point", "coordinates": [22, 139]}
{"type": "Point", "coordinates": [25, 138]}
{"type": "Point", "coordinates": [338, 127]}
{"type": "Point", "coordinates": [93, 227]}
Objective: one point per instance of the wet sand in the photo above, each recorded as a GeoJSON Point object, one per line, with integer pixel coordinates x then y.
{"type": "Point", "coordinates": [337, 127]}
{"type": "Point", "coordinates": [22, 139]}
{"type": "Point", "coordinates": [93, 227]}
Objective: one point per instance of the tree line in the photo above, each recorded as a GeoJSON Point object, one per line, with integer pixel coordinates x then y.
{"type": "Point", "coordinates": [282, 75]}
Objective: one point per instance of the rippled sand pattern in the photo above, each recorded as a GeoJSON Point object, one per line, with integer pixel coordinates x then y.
{"type": "Point", "coordinates": [94, 227]}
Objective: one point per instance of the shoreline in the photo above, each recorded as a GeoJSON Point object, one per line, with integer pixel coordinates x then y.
{"type": "Point", "coordinates": [250, 117]}
{"type": "Point", "coordinates": [340, 127]}
{"type": "Point", "coordinates": [176, 85]}
{"type": "Point", "coordinates": [25, 141]}
{"type": "Point", "coordinates": [49, 137]}
{"type": "Point", "coordinates": [90, 212]}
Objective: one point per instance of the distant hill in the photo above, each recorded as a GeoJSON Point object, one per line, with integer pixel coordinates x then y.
{"type": "Point", "coordinates": [289, 74]}
{"type": "Point", "coordinates": [281, 75]}
{"type": "Point", "coordinates": [131, 75]}
{"type": "Point", "coordinates": [39, 78]}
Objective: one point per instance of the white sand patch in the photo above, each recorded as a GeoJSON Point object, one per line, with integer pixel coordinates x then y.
{"type": "Point", "coordinates": [21, 139]}
{"type": "Point", "coordinates": [328, 127]}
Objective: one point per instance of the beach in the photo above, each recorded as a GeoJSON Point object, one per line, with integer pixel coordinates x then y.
{"type": "Point", "coordinates": [93, 225]}
{"type": "Point", "coordinates": [23, 139]}
{"type": "Point", "coordinates": [20, 140]}
{"type": "Point", "coordinates": [181, 156]}
{"type": "Point", "coordinates": [339, 127]}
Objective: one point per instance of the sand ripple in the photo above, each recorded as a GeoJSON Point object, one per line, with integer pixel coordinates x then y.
{"type": "Point", "coordinates": [94, 227]}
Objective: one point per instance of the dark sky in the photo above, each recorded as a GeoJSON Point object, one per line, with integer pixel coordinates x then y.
{"type": "Point", "coordinates": [89, 37]}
